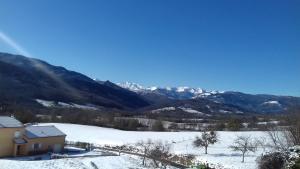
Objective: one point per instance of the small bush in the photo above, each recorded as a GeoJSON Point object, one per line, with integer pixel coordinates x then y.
{"type": "Point", "coordinates": [294, 158]}
{"type": "Point", "coordinates": [296, 165]}
{"type": "Point", "coordinates": [274, 160]}
{"type": "Point", "coordinates": [158, 126]}
{"type": "Point", "coordinates": [201, 166]}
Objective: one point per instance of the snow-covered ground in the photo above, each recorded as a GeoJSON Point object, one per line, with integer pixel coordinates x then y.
{"type": "Point", "coordinates": [108, 162]}
{"type": "Point", "coordinates": [181, 144]}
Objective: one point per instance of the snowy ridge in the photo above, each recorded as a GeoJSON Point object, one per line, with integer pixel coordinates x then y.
{"type": "Point", "coordinates": [131, 86]}
{"type": "Point", "coordinates": [181, 92]}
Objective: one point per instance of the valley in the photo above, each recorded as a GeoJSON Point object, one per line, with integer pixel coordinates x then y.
{"type": "Point", "coordinates": [181, 143]}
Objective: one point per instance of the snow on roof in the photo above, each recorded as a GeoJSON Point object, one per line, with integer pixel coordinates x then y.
{"type": "Point", "coordinates": [9, 122]}
{"type": "Point", "coordinates": [20, 141]}
{"type": "Point", "coordinates": [42, 131]}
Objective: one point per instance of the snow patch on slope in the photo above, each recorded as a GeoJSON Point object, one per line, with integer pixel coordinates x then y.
{"type": "Point", "coordinates": [225, 111]}
{"type": "Point", "coordinates": [47, 103]}
{"type": "Point", "coordinates": [273, 102]}
{"type": "Point", "coordinates": [190, 110]}
{"type": "Point", "coordinates": [163, 109]}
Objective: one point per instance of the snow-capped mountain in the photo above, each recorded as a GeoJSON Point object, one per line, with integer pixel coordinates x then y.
{"type": "Point", "coordinates": [131, 86]}
{"type": "Point", "coordinates": [181, 92]}
{"type": "Point", "coordinates": [261, 103]}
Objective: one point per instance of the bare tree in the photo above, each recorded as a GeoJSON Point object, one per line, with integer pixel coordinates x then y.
{"type": "Point", "coordinates": [206, 139]}
{"type": "Point", "coordinates": [157, 151]}
{"type": "Point", "coordinates": [145, 147]}
{"type": "Point", "coordinates": [160, 153]}
{"type": "Point", "coordinates": [244, 144]}
{"type": "Point", "coordinates": [284, 137]}
{"type": "Point", "coordinates": [280, 138]}
{"type": "Point", "coordinates": [263, 143]}
{"type": "Point", "coordinates": [293, 130]}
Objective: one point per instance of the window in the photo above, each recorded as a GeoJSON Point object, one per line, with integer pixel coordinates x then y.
{"type": "Point", "coordinates": [36, 146]}
{"type": "Point", "coordinates": [17, 134]}
{"type": "Point", "coordinates": [50, 149]}
{"type": "Point", "coordinates": [57, 148]}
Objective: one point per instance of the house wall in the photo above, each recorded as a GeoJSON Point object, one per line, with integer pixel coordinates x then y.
{"type": "Point", "coordinates": [45, 143]}
{"type": "Point", "coordinates": [7, 136]}
{"type": "Point", "coordinates": [22, 151]}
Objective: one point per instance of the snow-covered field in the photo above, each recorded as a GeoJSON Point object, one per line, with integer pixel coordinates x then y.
{"type": "Point", "coordinates": [181, 144]}
{"type": "Point", "coordinates": [109, 162]}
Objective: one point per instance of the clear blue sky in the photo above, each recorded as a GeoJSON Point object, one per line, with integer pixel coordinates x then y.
{"type": "Point", "coordinates": [251, 46]}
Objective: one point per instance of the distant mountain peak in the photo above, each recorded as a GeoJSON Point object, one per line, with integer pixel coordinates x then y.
{"type": "Point", "coordinates": [131, 86]}
{"type": "Point", "coordinates": [181, 92]}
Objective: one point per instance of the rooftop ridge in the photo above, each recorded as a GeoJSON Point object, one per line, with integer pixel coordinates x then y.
{"type": "Point", "coordinates": [9, 122]}
{"type": "Point", "coordinates": [43, 131]}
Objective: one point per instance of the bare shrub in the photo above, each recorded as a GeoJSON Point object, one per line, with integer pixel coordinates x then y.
{"type": "Point", "coordinates": [284, 137]}
{"type": "Point", "coordinates": [145, 147]}
{"type": "Point", "coordinates": [160, 153]}
{"type": "Point", "coordinates": [293, 130]}
{"type": "Point", "coordinates": [280, 139]}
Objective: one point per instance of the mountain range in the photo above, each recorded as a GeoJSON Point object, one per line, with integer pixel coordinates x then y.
{"type": "Point", "coordinates": [29, 82]}
{"type": "Point", "coordinates": [255, 103]}
{"type": "Point", "coordinates": [182, 92]}
{"type": "Point", "coordinates": [24, 80]}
